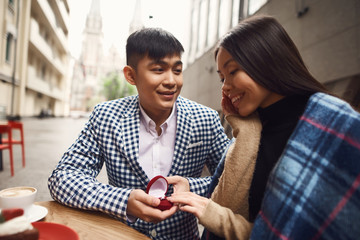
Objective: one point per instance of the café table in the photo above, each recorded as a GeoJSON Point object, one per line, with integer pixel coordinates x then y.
{"type": "Point", "coordinates": [89, 224]}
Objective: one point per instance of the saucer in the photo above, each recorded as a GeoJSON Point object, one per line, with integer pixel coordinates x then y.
{"type": "Point", "coordinates": [36, 213]}
{"type": "Point", "coordinates": [55, 231]}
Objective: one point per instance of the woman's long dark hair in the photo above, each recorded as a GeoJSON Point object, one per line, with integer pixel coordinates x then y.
{"type": "Point", "coordinates": [268, 55]}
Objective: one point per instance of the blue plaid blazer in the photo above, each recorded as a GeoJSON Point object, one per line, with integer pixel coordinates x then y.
{"type": "Point", "coordinates": [111, 137]}
{"type": "Point", "coordinates": [314, 190]}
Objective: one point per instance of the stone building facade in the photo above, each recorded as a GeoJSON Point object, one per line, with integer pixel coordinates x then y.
{"type": "Point", "coordinates": [327, 33]}
{"type": "Point", "coordinates": [34, 57]}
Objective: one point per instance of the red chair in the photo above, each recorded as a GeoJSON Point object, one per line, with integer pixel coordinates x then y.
{"type": "Point", "coordinates": [6, 129]}
{"type": "Point", "coordinates": [18, 126]}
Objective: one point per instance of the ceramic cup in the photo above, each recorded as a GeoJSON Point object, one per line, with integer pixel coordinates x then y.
{"type": "Point", "coordinates": [17, 197]}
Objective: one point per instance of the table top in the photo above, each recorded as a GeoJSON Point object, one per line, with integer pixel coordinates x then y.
{"type": "Point", "coordinates": [89, 224]}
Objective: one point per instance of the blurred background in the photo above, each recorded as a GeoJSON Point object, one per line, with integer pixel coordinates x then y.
{"type": "Point", "coordinates": [59, 58]}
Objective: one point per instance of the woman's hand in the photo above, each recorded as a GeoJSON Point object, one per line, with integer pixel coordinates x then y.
{"type": "Point", "coordinates": [227, 106]}
{"type": "Point", "coordinates": [180, 184]}
{"type": "Point", "coordinates": [186, 200]}
{"type": "Point", "coordinates": [190, 202]}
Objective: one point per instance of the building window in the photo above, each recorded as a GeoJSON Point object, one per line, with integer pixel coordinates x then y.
{"type": "Point", "coordinates": [202, 26]}
{"type": "Point", "coordinates": [11, 5]}
{"type": "Point", "coordinates": [194, 35]}
{"type": "Point", "coordinates": [236, 12]}
{"type": "Point", "coordinates": [43, 72]}
{"type": "Point", "coordinates": [9, 44]}
{"type": "Point", "coordinates": [213, 22]}
{"type": "Point", "coordinates": [255, 5]}
{"type": "Point", "coordinates": [224, 17]}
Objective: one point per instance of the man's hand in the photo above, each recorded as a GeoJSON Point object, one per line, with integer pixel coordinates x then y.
{"type": "Point", "coordinates": [143, 206]}
{"type": "Point", "coordinates": [180, 184]}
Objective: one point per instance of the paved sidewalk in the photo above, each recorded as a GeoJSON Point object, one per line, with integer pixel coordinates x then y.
{"type": "Point", "coordinates": [45, 142]}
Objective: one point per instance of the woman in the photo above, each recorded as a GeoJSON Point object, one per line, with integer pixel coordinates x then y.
{"type": "Point", "coordinates": [263, 75]}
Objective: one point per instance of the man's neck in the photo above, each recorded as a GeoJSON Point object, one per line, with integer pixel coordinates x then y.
{"type": "Point", "coordinates": [159, 117]}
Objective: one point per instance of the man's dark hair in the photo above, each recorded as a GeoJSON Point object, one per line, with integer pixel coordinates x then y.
{"type": "Point", "coordinates": [155, 43]}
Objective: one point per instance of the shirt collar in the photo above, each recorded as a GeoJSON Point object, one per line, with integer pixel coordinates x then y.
{"type": "Point", "coordinates": [150, 124]}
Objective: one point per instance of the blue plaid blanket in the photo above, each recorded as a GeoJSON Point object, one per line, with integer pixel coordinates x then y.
{"type": "Point", "coordinates": [314, 190]}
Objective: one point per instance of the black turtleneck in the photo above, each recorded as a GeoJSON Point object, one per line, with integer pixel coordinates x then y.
{"type": "Point", "coordinates": [279, 121]}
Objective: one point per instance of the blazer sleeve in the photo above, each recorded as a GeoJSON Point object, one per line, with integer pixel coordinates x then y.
{"type": "Point", "coordinates": [73, 182]}
{"type": "Point", "coordinates": [218, 146]}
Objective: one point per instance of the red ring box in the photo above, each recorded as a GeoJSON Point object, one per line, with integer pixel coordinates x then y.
{"type": "Point", "coordinates": [158, 187]}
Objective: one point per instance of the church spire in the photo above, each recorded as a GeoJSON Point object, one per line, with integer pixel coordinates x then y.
{"type": "Point", "coordinates": [136, 22]}
{"type": "Point", "coordinates": [93, 20]}
{"type": "Point", "coordinates": [95, 7]}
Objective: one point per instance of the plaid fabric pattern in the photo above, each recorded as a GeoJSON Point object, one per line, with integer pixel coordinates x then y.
{"type": "Point", "coordinates": [111, 137]}
{"type": "Point", "coordinates": [313, 191]}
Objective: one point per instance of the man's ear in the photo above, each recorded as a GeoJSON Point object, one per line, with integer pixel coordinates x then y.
{"type": "Point", "coordinates": [130, 74]}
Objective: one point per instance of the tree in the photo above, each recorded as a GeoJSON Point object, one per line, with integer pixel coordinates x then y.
{"type": "Point", "coordinates": [115, 86]}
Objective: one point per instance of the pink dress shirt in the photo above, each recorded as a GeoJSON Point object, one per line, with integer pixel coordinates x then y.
{"type": "Point", "coordinates": [156, 151]}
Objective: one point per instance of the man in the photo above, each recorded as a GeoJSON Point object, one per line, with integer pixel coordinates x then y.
{"type": "Point", "coordinates": [154, 133]}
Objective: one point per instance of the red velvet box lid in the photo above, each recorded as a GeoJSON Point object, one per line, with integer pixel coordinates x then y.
{"type": "Point", "coordinates": [158, 187]}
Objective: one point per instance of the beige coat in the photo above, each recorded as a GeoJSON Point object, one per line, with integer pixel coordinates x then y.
{"type": "Point", "coordinates": [227, 213]}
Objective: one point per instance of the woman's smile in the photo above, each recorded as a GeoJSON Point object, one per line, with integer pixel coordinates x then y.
{"type": "Point", "coordinates": [235, 100]}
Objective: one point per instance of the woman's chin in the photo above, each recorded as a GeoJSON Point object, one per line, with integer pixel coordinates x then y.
{"type": "Point", "coordinates": [244, 112]}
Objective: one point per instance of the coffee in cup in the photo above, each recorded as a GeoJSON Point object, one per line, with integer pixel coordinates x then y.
{"type": "Point", "coordinates": [17, 197]}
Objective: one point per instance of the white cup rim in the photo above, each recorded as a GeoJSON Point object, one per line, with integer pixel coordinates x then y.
{"type": "Point", "coordinates": [18, 187]}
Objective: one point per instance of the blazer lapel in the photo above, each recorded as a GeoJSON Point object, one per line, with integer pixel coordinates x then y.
{"type": "Point", "coordinates": [130, 125]}
{"type": "Point", "coordinates": [183, 136]}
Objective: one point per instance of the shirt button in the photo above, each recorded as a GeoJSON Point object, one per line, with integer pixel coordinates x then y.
{"type": "Point", "coordinates": [153, 233]}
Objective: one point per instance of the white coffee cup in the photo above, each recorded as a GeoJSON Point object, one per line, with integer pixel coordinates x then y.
{"type": "Point", "coordinates": [17, 197]}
